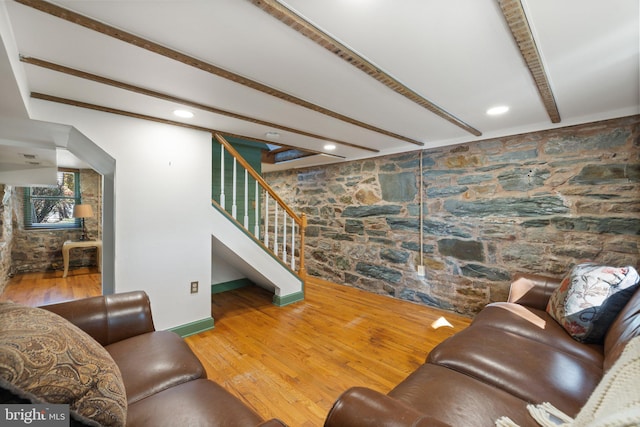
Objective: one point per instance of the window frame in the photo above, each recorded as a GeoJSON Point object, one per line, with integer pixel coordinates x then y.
{"type": "Point", "coordinates": [28, 206]}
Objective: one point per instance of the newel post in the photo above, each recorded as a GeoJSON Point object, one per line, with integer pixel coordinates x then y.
{"type": "Point", "coordinates": [302, 272]}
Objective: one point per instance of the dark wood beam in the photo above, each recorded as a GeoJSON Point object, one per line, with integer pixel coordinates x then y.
{"type": "Point", "coordinates": [160, 95]}
{"type": "Point", "coordinates": [175, 55]}
{"type": "Point", "coordinates": [304, 27]}
{"type": "Point", "coordinates": [517, 20]}
{"type": "Point", "coordinates": [104, 109]}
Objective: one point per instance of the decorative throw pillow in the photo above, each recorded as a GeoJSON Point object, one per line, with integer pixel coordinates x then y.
{"type": "Point", "coordinates": [46, 359]}
{"type": "Point", "coordinates": [589, 299]}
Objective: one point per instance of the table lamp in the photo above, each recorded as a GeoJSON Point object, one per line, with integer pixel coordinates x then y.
{"type": "Point", "coordinates": [83, 211]}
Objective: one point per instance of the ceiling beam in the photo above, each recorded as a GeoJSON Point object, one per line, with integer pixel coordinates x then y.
{"type": "Point", "coordinates": [160, 95]}
{"type": "Point", "coordinates": [175, 55]}
{"type": "Point", "coordinates": [519, 25]}
{"type": "Point", "coordinates": [102, 108]}
{"type": "Point", "coordinates": [304, 27]}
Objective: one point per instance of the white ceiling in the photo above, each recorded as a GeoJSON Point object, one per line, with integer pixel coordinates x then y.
{"type": "Point", "coordinates": [459, 54]}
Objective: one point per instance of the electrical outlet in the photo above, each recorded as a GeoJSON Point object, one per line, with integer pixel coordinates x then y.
{"type": "Point", "coordinates": [194, 287]}
{"type": "Point", "coordinates": [421, 270]}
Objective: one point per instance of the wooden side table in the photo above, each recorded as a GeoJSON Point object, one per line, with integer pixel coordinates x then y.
{"type": "Point", "coordinates": [68, 245]}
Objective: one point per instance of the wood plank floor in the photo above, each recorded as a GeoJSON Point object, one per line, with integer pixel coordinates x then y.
{"type": "Point", "coordinates": [290, 362]}
{"type": "Point", "coordinates": [49, 287]}
{"type": "Point", "coordinates": [293, 362]}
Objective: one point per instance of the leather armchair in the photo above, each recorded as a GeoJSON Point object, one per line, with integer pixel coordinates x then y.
{"type": "Point", "coordinates": [166, 384]}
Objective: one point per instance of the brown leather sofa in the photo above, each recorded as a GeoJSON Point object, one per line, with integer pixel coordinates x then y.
{"type": "Point", "coordinates": [165, 383]}
{"type": "Point", "coordinates": [512, 354]}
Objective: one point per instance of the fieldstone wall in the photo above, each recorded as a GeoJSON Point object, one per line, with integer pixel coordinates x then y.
{"type": "Point", "coordinates": [41, 250]}
{"type": "Point", "coordinates": [7, 204]}
{"type": "Point", "coordinates": [537, 203]}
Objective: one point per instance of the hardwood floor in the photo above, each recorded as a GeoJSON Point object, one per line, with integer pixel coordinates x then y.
{"type": "Point", "coordinates": [293, 362]}
{"type": "Point", "coordinates": [290, 362]}
{"type": "Point", "coordinates": [34, 289]}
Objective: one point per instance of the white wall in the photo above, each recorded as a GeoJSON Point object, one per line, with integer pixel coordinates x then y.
{"type": "Point", "coordinates": [233, 247]}
{"type": "Point", "coordinates": [221, 270]}
{"type": "Point", "coordinates": [162, 207]}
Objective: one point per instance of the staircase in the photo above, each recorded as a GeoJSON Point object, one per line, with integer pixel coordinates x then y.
{"type": "Point", "coordinates": [257, 238]}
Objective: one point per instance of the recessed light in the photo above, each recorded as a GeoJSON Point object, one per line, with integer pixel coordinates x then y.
{"type": "Point", "coordinates": [330, 147]}
{"type": "Point", "coordinates": [496, 111]}
{"type": "Point", "coordinates": [272, 135]}
{"type": "Point", "coordinates": [183, 113]}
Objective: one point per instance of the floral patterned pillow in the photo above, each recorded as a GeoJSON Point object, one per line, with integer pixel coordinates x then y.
{"type": "Point", "coordinates": [589, 299]}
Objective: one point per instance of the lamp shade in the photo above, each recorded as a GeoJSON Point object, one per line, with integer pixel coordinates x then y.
{"type": "Point", "coordinates": [82, 211]}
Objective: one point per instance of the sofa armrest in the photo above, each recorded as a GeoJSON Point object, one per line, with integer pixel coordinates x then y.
{"type": "Point", "coordinates": [363, 407]}
{"type": "Point", "coordinates": [532, 290]}
{"type": "Point", "coordinates": [109, 318]}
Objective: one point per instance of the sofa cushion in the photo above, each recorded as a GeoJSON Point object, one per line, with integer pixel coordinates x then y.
{"type": "Point", "coordinates": [457, 399]}
{"type": "Point", "coordinates": [590, 298]}
{"type": "Point", "coordinates": [537, 325]}
{"type": "Point", "coordinates": [194, 403]}
{"type": "Point", "coordinates": [529, 370]}
{"type": "Point", "coordinates": [153, 362]}
{"type": "Point", "coordinates": [46, 359]}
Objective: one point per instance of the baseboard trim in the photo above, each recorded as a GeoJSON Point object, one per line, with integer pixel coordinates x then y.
{"type": "Point", "coordinates": [288, 299]}
{"type": "Point", "coordinates": [231, 285]}
{"type": "Point", "coordinates": [194, 327]}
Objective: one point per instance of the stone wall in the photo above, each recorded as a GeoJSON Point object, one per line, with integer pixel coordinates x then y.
{"type": "Point", "coordinates": [535, 203]}
{"type": "Point", "coordinates": [41, 250]}
{"type": "Point", "coordinates": [7, 203]}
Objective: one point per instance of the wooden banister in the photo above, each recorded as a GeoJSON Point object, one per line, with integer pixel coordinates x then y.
{"type": "Point", "coordinates": [300, 221]}
{"type": "Point", "coordinates": [257, 177]}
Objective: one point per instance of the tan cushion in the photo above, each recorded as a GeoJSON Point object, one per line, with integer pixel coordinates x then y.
{"type": "Point", "coordinates": [46, 359]}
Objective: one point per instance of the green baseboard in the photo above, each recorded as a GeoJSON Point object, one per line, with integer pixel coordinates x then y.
{"type": "Point", "coordinates": [288, 299]}
{"type": "Point", "coordinates": [229, 286]}
{"type": "Point", "coordinates": [241, 283]}
{"type": "Point", "coordinates": [194, 327]}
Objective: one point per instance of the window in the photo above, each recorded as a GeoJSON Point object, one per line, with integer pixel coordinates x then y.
{"type": "Point", "coordinates": [52, 206]}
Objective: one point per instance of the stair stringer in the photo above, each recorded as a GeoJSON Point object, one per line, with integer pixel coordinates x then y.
{"type": "Point", "coordinates": [231, 244]}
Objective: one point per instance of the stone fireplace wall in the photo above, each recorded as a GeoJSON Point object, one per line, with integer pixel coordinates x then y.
{"type": "Point", "coordinates": [537, 203]}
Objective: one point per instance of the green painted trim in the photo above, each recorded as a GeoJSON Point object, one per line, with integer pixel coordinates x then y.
{"type": "Point", "coordinates": [288, 299]}
{"type": "Point", "coordinates": [193, 327]}
{"type": "Point", "coordinates": [231, 285]}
